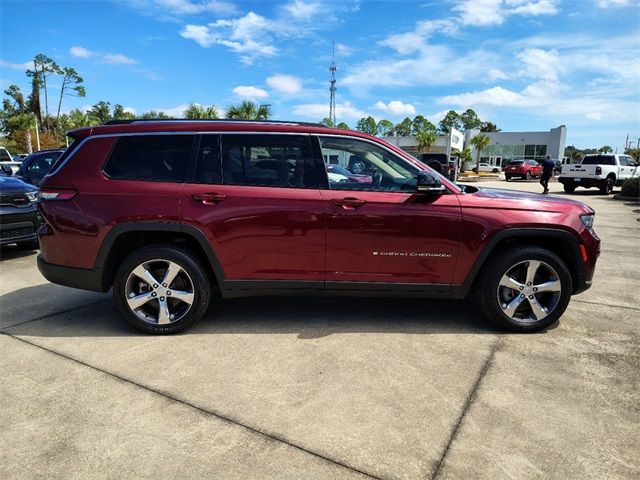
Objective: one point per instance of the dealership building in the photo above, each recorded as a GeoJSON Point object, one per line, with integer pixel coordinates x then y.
{"type": "Point", "coordinates": [504, 146]}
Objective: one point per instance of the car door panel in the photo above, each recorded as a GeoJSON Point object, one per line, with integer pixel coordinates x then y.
{"type": "Point", "coordinates": [258, 232]}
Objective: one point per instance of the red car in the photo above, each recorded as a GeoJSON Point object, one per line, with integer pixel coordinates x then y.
{"type": "Point", "coordinates": [164, 212]}
{"type": "Point", "coordinates": [526, 169]}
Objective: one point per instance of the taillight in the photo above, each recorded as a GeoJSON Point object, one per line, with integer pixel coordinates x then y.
{"type": "Point", "coordinates": [598, 170]}
{"type": "Point", "coordinates": [56, 194]}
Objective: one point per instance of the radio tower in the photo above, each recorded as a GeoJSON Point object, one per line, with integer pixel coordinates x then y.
{"type": "Point", "coordinates": [332, 88]}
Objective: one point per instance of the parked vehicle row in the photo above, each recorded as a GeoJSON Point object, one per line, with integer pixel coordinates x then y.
{"type": "Point", "coordinates": [19, 218]}
{"type": "Point", "coordinates": [163, 212]}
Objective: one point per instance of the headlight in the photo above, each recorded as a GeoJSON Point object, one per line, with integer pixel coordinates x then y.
{"type": "Point", "coordinates": [32, 196]}
{"type": "Point", "coordinates": [587, 220]}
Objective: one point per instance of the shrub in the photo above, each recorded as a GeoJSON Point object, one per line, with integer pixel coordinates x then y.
{"type": "Point", "coordinates": [631, 187]}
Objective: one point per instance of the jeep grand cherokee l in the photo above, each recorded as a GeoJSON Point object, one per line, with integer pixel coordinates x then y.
{"type": "Point", "coordinates": [163, 212]}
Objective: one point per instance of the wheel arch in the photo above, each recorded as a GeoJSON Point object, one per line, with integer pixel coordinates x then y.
{"type": "Point", "coordinates": [561, 242]}
{"type": "Point", "coordinates": [124, 239]}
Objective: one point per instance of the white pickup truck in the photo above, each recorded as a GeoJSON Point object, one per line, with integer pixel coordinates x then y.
{"type": "Point", "coordinates": [599, 170]}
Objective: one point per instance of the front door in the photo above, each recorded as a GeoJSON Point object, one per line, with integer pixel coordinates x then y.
{"type": "Point", "coordinates": [257, 199]}
{"type": "Point", "coordinates": [379, 230]}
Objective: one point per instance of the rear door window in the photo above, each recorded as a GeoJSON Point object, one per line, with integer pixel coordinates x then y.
{"type": "Point", "coordinates": [154, 158]}
{"type": "Point", "coordinates": [271, 161]}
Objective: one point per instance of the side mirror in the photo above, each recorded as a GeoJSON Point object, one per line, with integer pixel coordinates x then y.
{"type": "Point", "coordinates": [429, 184]}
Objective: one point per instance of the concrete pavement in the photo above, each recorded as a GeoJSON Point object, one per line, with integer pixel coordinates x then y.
{"type": "Point", "coordinates": [325, 388]}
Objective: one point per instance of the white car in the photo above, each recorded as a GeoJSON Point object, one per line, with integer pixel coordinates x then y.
{"type": "Point", "coordinates": [485, 167]}
{"type": "Point", "coordinates": [337, 178]}
{"type": "Point", "coordinates": [598, 170]}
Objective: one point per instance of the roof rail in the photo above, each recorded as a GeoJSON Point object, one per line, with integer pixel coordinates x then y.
{"type": "Point", "coordinates": [221, 120]}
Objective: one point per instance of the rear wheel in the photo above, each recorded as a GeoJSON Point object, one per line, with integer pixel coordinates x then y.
{"type": "Point", "coordinates": [528, 176]}
{"type": "Point", "coordinates": [607, 187]}
{"type": "Point", "coordinates": [569, 188]}
{"type": "Point", "coordinates": [525, 289]}
{"type": "Point", "coordinates": [507, 178]}
{"type": "Point", "coordinates": [161, 289]}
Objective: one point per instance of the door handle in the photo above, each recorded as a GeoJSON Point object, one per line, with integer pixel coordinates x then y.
{"type": "Point", "coordinates": [348, 203]}
{"type": "Point", "coordinates": [208, 198]}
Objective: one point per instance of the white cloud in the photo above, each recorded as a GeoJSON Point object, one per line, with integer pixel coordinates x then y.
{"type": "Point", "coordinates": [304, 10]}
{"type": "Point", "coordinates": [80, 52]}
{"type": "Point", "coordinates": [249, 36]}
{"type": "Point", "coordinates": [396, 107]}
{"type": "Point", "coordinates": [613, 3]}
{"type": "Point", "coordinates": [538, 63]}
{"type": "Point", "coordinates": [130, 110]}
{"type": "Point", "coordinates": [318, 111]}
{"type": "Point", "coordinates": [250, 92]}
{"type": "Point", "coordinates": [118, 59]}
{"type": "Point", "coordinates": [17, 66]}
{"type": "Point", "coordinates": [285, 84]}
{"type": "Point", "coordinates": [484, 13]}
{"type": "Point", "coordinates": [254, 36]}
{"type": "Point", "coordinates": [496, 96]}
{"type": "Point", "coordinates": [343, 50]}
{"type": "Point", "coordinates": [177, 111]}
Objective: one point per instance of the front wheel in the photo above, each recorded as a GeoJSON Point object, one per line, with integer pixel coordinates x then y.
{"type": "Point", "coordinates": [161, 289]}
{"type": "Point", "coordinates": [528, 176]}
{"type": "Point", "coordinates": [507, 178]}
{"type": "Point", "coordinates": [525, 289]}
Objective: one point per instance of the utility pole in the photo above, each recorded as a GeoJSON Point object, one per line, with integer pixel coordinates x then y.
{"type": "Point", "coordinates": [332, 87]}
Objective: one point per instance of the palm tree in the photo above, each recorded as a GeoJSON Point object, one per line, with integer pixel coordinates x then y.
{"type": "Point", "coordinates": [464, 156]}
{"type": "Point", "coordinates": [606, 149]}
{"type": "Point", "coordinates": [196, 112]}
{"type": "Point", "coordinates": [426, 139]}
{"type": "Point", "coordinates": [79, 119]}
{"type": "Point", "coordinates": [23, 122]}
{"type": "Point", "coordinates": [479, 142]}
{"type": "Point", "coordinates": [248, 110]}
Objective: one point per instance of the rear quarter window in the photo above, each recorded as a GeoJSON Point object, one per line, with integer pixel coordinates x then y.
{"type": "Point", "coordinates": [154, 158]}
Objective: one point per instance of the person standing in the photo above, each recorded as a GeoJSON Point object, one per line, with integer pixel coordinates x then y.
{"type": "Point", "coordinates": [547, 173]}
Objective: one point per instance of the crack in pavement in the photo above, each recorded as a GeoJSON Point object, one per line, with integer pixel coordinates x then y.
{"type": "Point", "coordinates": [467, 405]}
{"type": "Point", "coordinates": [606, 304]}
{"type": "Point", "coordinates": [270, 436]}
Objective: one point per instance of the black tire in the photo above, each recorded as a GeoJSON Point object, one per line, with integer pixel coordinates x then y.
{"type": "Point", "coordinates": [569, 188]}
{"type": "Point", "coordinates": [495, 170]}
{"type": "Point", "coordinates": [507, 178]}
{"type": "Point", "coordinates": [607, 187]}
{"type": "Point", "coordinates": [500, 265]}
{"type": "Point", "coordinates": [528, 176]}
{"type": "Point", "coordinates": [188, 263]}
{"type": "Point", "coordinates": [29, 245]}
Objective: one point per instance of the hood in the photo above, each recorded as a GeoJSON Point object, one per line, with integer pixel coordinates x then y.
{"type": "Point", "coordinates": [500, 198]}
{"type": "Point", "coordinates": [15, 185]}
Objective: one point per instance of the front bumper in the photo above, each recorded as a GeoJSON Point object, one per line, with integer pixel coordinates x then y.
{"type": "Point", "coordinates": [19, 227]}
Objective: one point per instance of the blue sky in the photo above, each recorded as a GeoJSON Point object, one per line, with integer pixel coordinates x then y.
{"type": "Point", "coordinates": [522, 64]}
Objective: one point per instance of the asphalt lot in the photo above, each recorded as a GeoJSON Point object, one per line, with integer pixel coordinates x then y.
{"type": "Point", "coordinates": [325, 388]}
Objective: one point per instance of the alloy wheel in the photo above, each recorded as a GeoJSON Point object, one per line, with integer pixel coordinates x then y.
{"type": "Point", "coordinates": [529, 291]}
{"type": "Point", "coordinates": [159, 292]}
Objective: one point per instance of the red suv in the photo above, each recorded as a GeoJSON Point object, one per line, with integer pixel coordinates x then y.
{"type": "Point", "coordinates": [526, 169]}
{"type": "Point", "coordinates": [163, 212]}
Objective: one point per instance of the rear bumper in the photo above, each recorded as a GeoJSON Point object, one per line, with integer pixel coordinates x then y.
{"type": "Point", "coordinates": [82, 278]}
{"type": "Point", "coordinates": [582, 182]}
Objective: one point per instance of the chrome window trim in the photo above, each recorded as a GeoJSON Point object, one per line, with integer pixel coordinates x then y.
{"type": "Point", "coordinates": [232, 132]}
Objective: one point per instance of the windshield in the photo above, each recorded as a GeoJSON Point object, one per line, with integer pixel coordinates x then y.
{"type": "Point", "coordinates": [516, 162]}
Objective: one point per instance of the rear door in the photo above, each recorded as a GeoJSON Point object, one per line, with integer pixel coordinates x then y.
{"type": "Point", "coordinates": [256, 197]}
